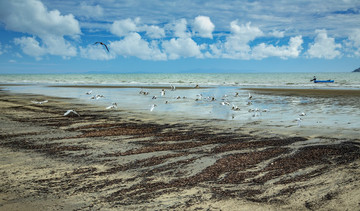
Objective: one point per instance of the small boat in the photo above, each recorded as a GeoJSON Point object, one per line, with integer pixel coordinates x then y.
{"type": "Point", "coordinates": [327, 81]}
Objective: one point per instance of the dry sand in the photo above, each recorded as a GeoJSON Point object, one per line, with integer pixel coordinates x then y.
{"type": "Point", "coordinates": [120, 160]}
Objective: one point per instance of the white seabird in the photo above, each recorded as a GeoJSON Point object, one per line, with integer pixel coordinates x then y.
{"type": "Point", "coordinates": [162, 92]}
{"type": "Point", "coordinates": [250, 96]}
{"type": "Point", "coordinates": [257, 112]}
{"type": "Point", "coordinates": [298, 120]}
{"type": "Point", "coordinates": [142, 92]}
{"type": "Point", "coordinates": [99, 96]}
{"type": "Point", "coordinates": [152, 107]}
{"type": "Point", "coordinates": [302, 114]}
{"type": "Point", "coordinates": [68, 112]}
{"type": "Point", "coordinates": [235, 108]}
{"type": "Point", "coordinates": [40, 102]}
{"type": "Point", "coordinates": [113, 106]}
{"type": "Point", "coordinates": [225, 103]}
{"type": "Point", "coordinates": [89, 92]}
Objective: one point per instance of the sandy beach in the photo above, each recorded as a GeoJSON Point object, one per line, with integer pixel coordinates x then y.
{"type": "Point", "coordinates": [124, 160]}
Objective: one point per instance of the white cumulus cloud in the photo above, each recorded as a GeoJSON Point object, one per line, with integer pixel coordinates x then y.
{"type": "Point", "coordinates": [355, 37]}
{"type": "Point", "coordinates": [245, 32]}
{"type": "Point", "coordinates": [153, 31]}
{"type": "Point", "coordinates": [127, 26]}
{"type": "Point", "coordinates": [324, 46]}
{"type": "Point", "coordinates": [203, 27]}
{"type": "Point", "coordinates": [179, 28]}
{"type": "Point", "coordinates": [292, 50]}
{"type": "Point", "coordinates": [30, 46]}
{"type": "Point", "coordinates": [181, 47]}
{"type": "Point", "coordinates": [134, 45]}
{"type": "Point", "coordinates": [352, 44]}
{"type": "Point", "coordinates": [90, 10]}
{"type": "Point", "coordinates": [124, 27]}
{"type": "Point", "coordinates": [57, 45]}
{"type": "Point", "coordinates": [32, 17]}
{"type": "Point", "coordinates": [237, 44]}
{"type": "Point", "coordinates": [275, 33]}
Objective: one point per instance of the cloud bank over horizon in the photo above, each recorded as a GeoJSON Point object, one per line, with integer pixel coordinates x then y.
{"type": "Point", "coordinates": [53, 32]}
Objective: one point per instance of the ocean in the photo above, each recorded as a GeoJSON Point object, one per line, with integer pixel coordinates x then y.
{"type": "Point", "coordinates": [223, 97]}
{"type": "Point", "coordinates": [342, 80]}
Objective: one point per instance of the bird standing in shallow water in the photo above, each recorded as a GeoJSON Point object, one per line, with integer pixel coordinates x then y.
{"type": "Point", "coordinates": [101, 43]}
{"type": "Point", "coordinates": [302, 114]}
{"type": "Point", "coordinates": [298, 120]}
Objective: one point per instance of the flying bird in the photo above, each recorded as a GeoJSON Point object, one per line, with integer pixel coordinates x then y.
{"type": "Point", "coordinates": [40, 102]}
{"type": "Point", "coordinates": [172, 88]}
{"type": "Point", "coordinates": [152, 107]}
{"type": "Point", "coordinates": [101, 43]}
{"type": "Point", "coordinates": [71, 112]}
{"type": "Point", "coordinates": [113, 106]}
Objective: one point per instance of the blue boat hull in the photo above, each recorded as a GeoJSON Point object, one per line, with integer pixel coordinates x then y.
{"type": "Point", "coordinates": [328, 81]}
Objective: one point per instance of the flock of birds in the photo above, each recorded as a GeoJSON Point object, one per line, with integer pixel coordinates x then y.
{"type": "Point", "coordinates": [256, 112]}
{"type": "Point", "coordinates": [225, 101]}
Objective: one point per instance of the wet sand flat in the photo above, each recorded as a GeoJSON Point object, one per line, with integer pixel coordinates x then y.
{"type": "Point", "coordinates": [309, 92]}
{"type": "Point", "coordinates": [124, 160]}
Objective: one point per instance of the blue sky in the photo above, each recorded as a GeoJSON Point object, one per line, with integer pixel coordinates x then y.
{"type": "Point", "coordinates": [58, 36]}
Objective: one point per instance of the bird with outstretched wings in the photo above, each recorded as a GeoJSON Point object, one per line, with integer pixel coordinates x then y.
{"type": "Point", "coordinates": [101, 43]}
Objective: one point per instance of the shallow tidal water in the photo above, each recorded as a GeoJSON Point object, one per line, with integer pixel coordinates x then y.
{"type": "Point", "coordinates": [229, 106]}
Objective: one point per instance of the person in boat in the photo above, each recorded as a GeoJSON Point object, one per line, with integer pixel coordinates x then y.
{"type": "Point", "coordinates": [314, 79]}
